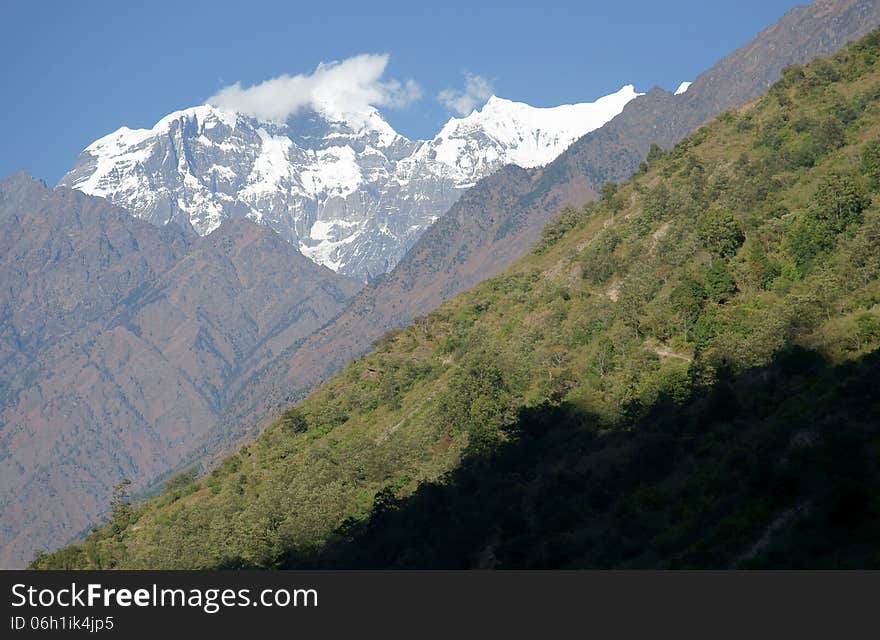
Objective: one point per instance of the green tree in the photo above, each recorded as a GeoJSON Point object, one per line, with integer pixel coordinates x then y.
{"type": "Point", "coordinates": [604, 359]}
{"type": "Point", "coordinates": [823, 73]}
{"type": "Point", "coordinates": [840, 201]}
{"type": "Point", "coordinates": [608, 193]}
{"type": "Point", "coordinates": [477, 402]}
{"type": "Point", "coordinates": [687, 301]}
{"type": "Point", "coordinates": [865, 256]}
{"type": "Point", "coordinates": [827, 135]}
{"type": "Point", "coordinates": [720, 285]}
{"type": "Point", "coordinates": [871, 164]}
{"type": "Point", "coordinates": [293, 420]}
{"type": "Point", "coordinates": [599, 262]}
{"type": "Point", "coordinates": [705, 329]}
{"type": "Point", "coordinates": [657, 203]}
{"type": "Point", "coordinates": [720, 232]}
{"type": "Point", "coordinates": [558, 227]}
{"type": "Point", "coordinates": [788, 275]}
{"type": "Point", "coordinates": [121, 511]}
{"type": "Point", "coordinates": [608, 190]}
{"type": "Point", "coordinates": [867, 330]}
{"type": "Point", "coordinates": [630, 304]}
{"type": "Point", "coordinates": [807, 240]}
{"type": "Point", "coordinates": [696, 182]}
{"type": "Point", "coordinates": [181, 480]}
{"type": "Point", "coordinates": [655, 152]}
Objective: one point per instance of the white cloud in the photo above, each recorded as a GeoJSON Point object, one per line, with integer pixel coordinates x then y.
{"type": "Point", "coordinates": [477, 90]}
{"type": "Point", "coordinates": [350, 86]}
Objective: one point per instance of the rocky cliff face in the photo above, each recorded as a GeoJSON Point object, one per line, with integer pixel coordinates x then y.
{"type": "Point", "coordinates": [345, 188]}
{"type": "Point", "coordinates": [121, 343]}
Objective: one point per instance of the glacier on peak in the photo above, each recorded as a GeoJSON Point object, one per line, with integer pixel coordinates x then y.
{"type": "Point", "coordinates": [508, 132]}
{"type": "Point", "coordinates": [684, 86]}
{"type": "Point", "coordinates": [343, 186]}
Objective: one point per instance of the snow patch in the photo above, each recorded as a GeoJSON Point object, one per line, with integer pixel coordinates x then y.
{"type": "Point", "coordinates": [271, 167]}
{"type": "Point", "coordinates": [335, 172]}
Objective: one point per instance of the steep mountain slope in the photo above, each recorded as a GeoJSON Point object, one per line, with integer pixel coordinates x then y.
{"type": "Point", "coordinates": [680, 375]}
{"type": "Point", "coordinates": [344, 187]}
{"type": "Point", "coordinates": [500, 218]}
{"type": "Point", "coordinates": [120, 344]}
{"type": "Point", "coordinates": [453, 254]}
{"type": "Point", "coordinates": [41, 227]}
{"type": "Point", "coordinates": [615, 152]}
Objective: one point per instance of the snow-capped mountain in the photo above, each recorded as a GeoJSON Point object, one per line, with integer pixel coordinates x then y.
{"type": "Point", "coordinates": [505, 132]}
{"type": "Point", "coordinates": [345, 188]}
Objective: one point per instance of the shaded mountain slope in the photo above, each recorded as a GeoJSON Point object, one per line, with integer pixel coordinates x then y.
{"type": "Point", "coordinates": [674, 338]}
{"type": "Point", "coordinates": [695, 483]}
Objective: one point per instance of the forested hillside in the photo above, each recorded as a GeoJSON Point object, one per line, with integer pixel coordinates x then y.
{"type": "Point", "coordinates": [681, 375]}
{"type": "Point", "coordinates": [498, 220]}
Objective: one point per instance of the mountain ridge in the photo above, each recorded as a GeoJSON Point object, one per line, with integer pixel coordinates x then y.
{"type": "Point", "coordinates": [120, 343]}
{"type": "Point", "coordinates": [499, 219]}
{"type": "Point", "coordinates": [345, 188]}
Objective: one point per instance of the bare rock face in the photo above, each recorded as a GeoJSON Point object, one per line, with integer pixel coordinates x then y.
{"type": "Point", "coordinates": [499, 219]}
{"type": "Point", "coordinates": [121, 344]}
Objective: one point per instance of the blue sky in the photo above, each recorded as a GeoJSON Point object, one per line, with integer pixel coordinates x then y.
{"type": "Point", "coordinates": [73, 72]}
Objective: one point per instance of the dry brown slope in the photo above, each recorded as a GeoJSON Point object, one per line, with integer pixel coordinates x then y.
{"type": "Point", "coordinates": [120, 344]}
